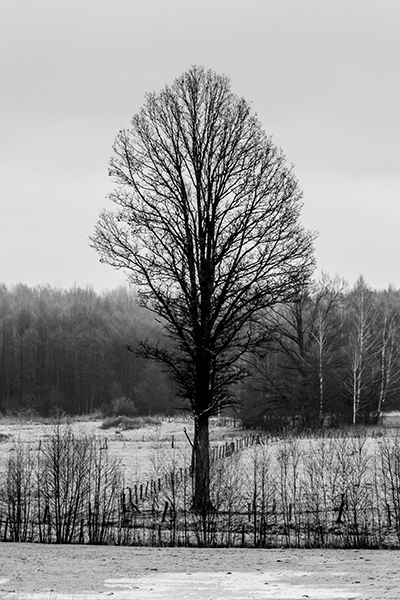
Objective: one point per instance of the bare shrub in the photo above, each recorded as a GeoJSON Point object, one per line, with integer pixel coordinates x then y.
{"type": "Point", "coordinates": [172, 499]}
{"type": "Point", "coordinates": [121, 422]}
{"type": "Point", "coordinates": [101, 503]}
{"type": "Point", "coordinates": [17, 494]}
{"type": "Point", "coordinates": [337, 491]}
{"type": "Point", "coordinates": [126, 423]}
{"type": "Point", "coordinates": [65, 482]}
{"type": "Point", "coordinates": [65, 491]}
{"type": "Point", "coordinates": [389, 482]}
{"type": "Point", "coordinates": [288, 460]}
{"type": "Point", "coordinates": [123, 406]}
{"type": "Point", "coordinates": [227, 490]}
{"type": "Point", "coordinates": [321, 497]}
{"type": "Point", "coordinates": [261, 485]}
{"type": "Point", "coordinates": [355, 485]}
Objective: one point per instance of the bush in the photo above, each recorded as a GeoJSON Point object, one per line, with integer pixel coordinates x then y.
{"type": "Point", "coordinates": [126, 423]}
{"type": "Point", "coordinates": [122, 422]}
{"type": "Point", "coordinates": [66, 491]}
{"type": "Point", "coordinates": [151, 420]}
{"type": "Point", "coordinates": [123, 406]}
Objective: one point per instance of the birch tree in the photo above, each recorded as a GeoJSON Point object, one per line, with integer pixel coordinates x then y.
{"type": "Point", "coordinates": [307, 334]}
{"type": "Point", "coordinates": [362, 346]}
{"type": "Point", "coordinates": [328, 300]}
{"type": "Point", "coordinates": [388, 355]}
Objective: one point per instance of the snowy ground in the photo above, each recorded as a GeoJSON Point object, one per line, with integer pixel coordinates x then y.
{"type": "Point", "coordinates": [40, 572]}
{"type": "Point", "coordinates": [136, 449]}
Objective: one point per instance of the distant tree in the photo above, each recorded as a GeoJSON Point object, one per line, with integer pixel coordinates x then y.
{"type": "Point", "coordinates": [207, 225]}
{"type": "Point", "coordinates": [362, 347]}
{"type": "Point", "coordinates": [65, 350]}
{"type": "Point", "coordinates": [295, 381]}
{"type": "Point", "coordinates": [296, 377]}
{"type": "Point", "coordinates": [6, 347]}
{"type": "Point", "coordinates": [388, 357]}
{"type": "Point", "coordinates": [387, 354]}
{"type": "Point", "coordinates": [326, 332]}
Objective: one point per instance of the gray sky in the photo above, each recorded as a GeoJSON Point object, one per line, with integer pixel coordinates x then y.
{"type": "Point", "coordinates": [323, 76]}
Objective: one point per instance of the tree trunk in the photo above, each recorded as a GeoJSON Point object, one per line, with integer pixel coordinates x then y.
{"type": "Point", "coordinates": [201, 465]}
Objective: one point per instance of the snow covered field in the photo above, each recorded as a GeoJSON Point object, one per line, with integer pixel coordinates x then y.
{"type": "Point", "coordinates": [41, 572]}
{"type": "Point", "coordinates": [136, 449]}
{"type": "Point", "coordinates": [73, 572]}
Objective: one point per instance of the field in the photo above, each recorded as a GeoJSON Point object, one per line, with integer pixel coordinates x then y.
{"type": "Point", "coordinates": [279, 480]}
{"type": "Point", "coordinates": [137, 450]}
{"type": "Point", "coordinates": [42, 572]}
{"type": "Point", "coordinates": [134, 448]}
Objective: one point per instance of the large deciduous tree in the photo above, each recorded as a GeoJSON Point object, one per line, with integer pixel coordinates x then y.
{"type": "Point", "coordinates": [207, 226]}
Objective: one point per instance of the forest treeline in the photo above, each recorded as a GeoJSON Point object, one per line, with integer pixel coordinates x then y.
{"type": "Point", "coordinates": [66, 350]}
{"type": "Point", "coordinates": [332, 358]}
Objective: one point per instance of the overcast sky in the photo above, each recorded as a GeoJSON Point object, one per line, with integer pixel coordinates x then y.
{"type": "Point", "coordinates": [322, 75]}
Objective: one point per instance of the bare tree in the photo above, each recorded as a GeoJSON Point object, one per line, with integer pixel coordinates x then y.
{"type": "Point", "coordinates": [207, 226]}
{"type": "Point", "coordinates": [306, 332]}
{"type": "Point", "coordinates": [389, 375]}
{"type": "Point", "coordinates": [328, 302]}
{"type": "Point", "coordinates": [362, 346]}
{"type": "Point", "coordinates": [388, 368]}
